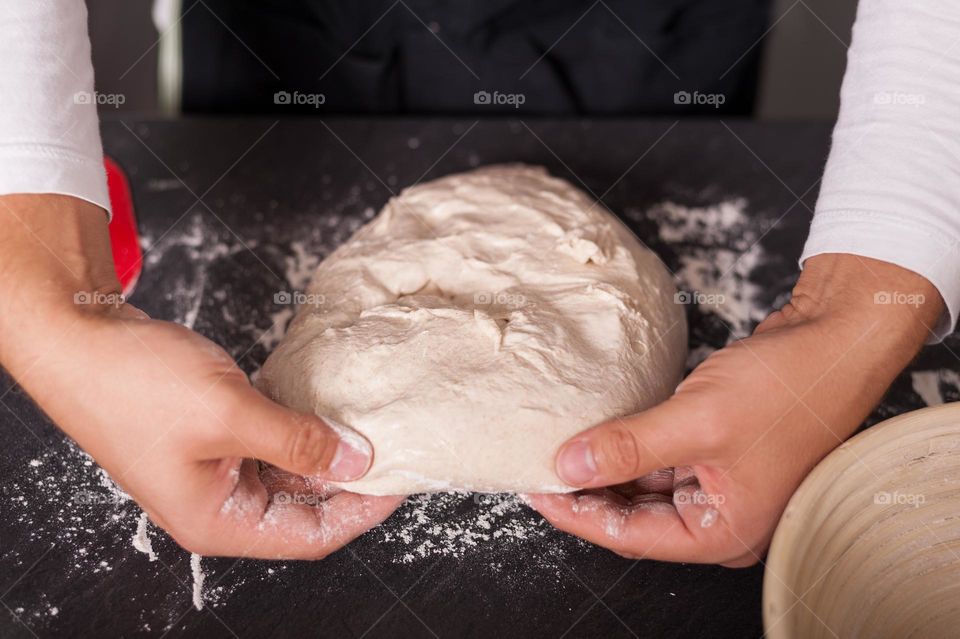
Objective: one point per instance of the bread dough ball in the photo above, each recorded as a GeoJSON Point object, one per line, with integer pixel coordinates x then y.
{"type": "Point", "coordinates": [476, 324]}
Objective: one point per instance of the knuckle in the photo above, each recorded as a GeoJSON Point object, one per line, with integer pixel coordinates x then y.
{"type": "Point", "coordinates": [308, 447]}
{"type": "Point", "coordinates": [619, 451]}
{"type": "Point", "coordinates": [801, 307]}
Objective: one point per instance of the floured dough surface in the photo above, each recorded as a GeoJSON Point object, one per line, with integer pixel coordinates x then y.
{"type": "Point", "coordinates": [476, 324]}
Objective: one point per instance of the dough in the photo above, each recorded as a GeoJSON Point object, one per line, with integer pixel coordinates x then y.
{"type": "Point", "coordinates": [476, 324]}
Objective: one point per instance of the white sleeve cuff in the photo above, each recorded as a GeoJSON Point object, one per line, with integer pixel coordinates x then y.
{"type": "Point", "coordinates": [44, 169]}
{"type": "Point", "coordinates": [883, 237]}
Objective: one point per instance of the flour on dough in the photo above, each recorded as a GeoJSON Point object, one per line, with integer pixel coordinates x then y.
{"type": "Point", "coordinates": [476, 324]}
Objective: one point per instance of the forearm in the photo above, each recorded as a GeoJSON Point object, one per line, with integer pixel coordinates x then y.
{"type": "Point", "coordinates": [891, 189]}
{"type": "Point", "coordinates": [52, 248]}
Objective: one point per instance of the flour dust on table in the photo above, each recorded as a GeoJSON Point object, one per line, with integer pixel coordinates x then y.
{"type": "Point", "coordinates": [476, 324]}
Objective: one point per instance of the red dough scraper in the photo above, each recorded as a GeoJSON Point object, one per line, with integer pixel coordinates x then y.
{"type": "Point", "coordinates": [124, 239]}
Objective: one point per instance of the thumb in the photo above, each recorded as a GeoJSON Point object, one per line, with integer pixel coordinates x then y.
{"type": "Point", "coordinates": [296, 442]}
{"type": "Point", "coordinates": [623, 449]}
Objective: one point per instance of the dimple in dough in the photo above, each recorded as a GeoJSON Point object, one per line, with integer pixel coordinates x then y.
{"type": "Point", "coordinates": [476, 324]}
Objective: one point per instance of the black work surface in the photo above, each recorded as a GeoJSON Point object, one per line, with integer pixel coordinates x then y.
{"type": "Point", "coordinates": [225, 208]}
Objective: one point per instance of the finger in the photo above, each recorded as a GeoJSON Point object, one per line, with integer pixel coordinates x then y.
{"type": "Point", "coordinates": [285, 525]}
{"type": "Point", "coordinates": [659, 481]}
{"type": "Point", "coordinates": [646, 530]}
{"type": "Point", "coordinates": [298, 443]}
{"type": "Point", "coordinates": [302, 531]}
{"type": "Point", "coordinates": [278, 480]}
{"type": "Point", "coordinates": [621, 450]}
{"type": "Point", "coordinates": [695, 507]}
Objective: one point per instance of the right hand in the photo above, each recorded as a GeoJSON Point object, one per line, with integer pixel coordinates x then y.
{"type": "Point", "coordinates": [168, 414]}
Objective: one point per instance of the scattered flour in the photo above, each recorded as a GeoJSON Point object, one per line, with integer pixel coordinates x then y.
{"type": "Point", "coordinates": [141, 538]}
{"type": "Point", "coordinates": [432, 525]}
{"type": "Point", "coordinates": [201, 244]}
{"type": "Point", "coordinates": [718, 248]}
{"type": "Point", "coordinates": [69, 503]}
{"type": "Point", "coordinates": [278, 328]}
{"type": "Point", "coordinates": [706, 225]}
{"type": "Point", "coordinates": [301, 265]}
{"type": "Point", "coordinates": [198, 577]}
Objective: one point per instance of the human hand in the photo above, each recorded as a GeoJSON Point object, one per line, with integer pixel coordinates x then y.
{"type": "Point", "coordinates": [704, 476]}
{"type": "Point", "coordinates": [164, 411]}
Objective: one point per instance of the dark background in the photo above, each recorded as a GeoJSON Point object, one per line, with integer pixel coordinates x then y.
{"type": "Point", "coordinates": [804, 54]}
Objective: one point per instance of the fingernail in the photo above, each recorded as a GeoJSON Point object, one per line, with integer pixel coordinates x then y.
{"type": "Point", "coordinates": [576, 464]}
{"type": "Point", "coordinates": [349, 462]}
{"type": "Point", "coordinates": [353, 455]}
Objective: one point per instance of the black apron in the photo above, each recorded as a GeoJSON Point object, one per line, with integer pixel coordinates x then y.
{"type": "Point", "coordinates": [561, 57]}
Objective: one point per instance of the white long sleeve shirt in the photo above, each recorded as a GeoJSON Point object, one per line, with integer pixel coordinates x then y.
{"type": "Point", "coordinates": [49, 132]}
{"type": "Point", "coordinates": [891, 190]}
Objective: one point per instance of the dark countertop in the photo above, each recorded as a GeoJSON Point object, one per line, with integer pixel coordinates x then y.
{"type": "Point", "coordinates": [231, 212]}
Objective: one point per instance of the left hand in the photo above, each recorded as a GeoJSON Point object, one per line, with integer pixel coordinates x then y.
{"type": "Point", "coordinates": [704, 476]}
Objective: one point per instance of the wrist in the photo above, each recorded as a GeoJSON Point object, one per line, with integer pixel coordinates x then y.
{"type": "Point", "coordinates": [868, 294]}
{"type": "Point", "coordinates": [55, 259]}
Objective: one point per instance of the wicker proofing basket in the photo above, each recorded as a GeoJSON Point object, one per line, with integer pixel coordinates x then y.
{"type": "Point", "coordinates": [869, 545]}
